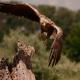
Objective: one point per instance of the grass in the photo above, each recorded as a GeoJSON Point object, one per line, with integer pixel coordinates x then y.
{"type": "Point", "coordinates": [64, 70]}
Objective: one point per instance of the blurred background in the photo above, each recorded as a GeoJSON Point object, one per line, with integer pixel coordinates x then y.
{"type": "Point", "coordinates": [66, 14]}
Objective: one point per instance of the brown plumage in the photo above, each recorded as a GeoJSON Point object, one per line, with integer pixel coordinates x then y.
{"type": "Point", "coordinates": [47, 26]}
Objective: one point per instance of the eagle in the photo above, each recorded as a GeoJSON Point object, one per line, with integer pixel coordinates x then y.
{"type": "Point", "coordinates": [47, 26]}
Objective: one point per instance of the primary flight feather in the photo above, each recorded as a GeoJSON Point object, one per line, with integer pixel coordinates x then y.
{"type": "Point", "coordinates": [47, 26]}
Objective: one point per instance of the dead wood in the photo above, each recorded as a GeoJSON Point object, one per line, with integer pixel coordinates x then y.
{"type": "Point", "coordinates": [21, 68]}
{"type": "Point", "coordinates": [4, 72]}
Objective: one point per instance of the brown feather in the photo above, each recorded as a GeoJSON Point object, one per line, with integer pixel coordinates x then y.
{"type": "Point", "coordinates": [26, 10]}
{"type": "Point", "coordinates": [56, 49]}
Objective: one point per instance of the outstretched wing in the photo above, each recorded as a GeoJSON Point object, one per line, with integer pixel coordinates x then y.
{"type": "Point", "coordinates": [26, 10]}
{"type": "Point", "coordinates": [55, 52]}
{"type": "Point", "coordinates": [56, 47]}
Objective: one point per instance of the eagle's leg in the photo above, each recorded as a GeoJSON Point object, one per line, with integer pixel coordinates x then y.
{"type": "Point", "coordinates": [48, 34]}
{"type": "Point", "coordinates": [43, 35]}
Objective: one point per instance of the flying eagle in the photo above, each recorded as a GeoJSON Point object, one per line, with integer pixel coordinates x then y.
{"type": "Point", "coordinates": [47, 26]}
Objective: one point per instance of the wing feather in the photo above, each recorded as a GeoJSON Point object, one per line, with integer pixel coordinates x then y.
{"type": "Point", "coordinates": [25, 10]}
{"type": "Point", "coordinates": [56, 48]}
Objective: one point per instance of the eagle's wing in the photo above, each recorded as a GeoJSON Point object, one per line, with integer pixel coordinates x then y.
{"type": "Point", "coordinates": [26, 10]}
{"type": "Point", "coordinates": [56, 47]}
{"type": "Point", "coordinates": [56, 33]}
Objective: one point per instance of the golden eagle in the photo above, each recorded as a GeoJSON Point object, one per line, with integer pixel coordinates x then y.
{"type": "Point", "coordinates": [47, 26]}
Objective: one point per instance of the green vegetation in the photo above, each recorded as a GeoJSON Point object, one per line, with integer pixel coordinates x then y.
{"type": "Point", "coordinates": [13, 29]}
